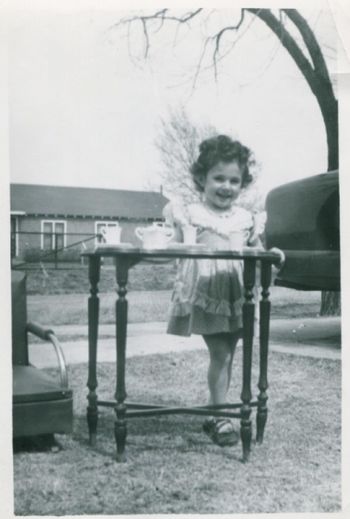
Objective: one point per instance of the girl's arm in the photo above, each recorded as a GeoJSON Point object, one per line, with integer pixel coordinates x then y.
{"type": "Point", "coordinates": [257, 230]}
{"type": "Point", "coordinates": [259, 220]}
{"type": "Point", "coordinates": [255, 241]}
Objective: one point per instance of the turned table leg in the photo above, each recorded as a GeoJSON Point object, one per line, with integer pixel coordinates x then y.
{"type": "Point", "coordinates": [93, 312]}
{"type": "Point", "coordinates": [248, 335]}
{"type": "Point", "coordinates": [120, 429]}
{"type": "Point", "coordinates": [265, 306]}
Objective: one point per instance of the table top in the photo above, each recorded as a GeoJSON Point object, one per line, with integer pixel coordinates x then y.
{"type": "Point", "coordinates": [180, 250]}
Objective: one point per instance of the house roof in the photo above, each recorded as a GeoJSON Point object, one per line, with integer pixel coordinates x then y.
{"type": "Point", "coordinates": [86, 201]}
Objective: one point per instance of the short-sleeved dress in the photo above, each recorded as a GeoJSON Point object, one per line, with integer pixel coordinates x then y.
{"type": "Point", "coordinates": [208, 293]}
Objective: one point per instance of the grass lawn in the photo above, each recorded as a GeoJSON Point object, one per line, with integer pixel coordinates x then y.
{"type": "Point", "coordinates": [172, 466]}
{"type": "Point", "coordinates": [60, 296]}
{"type": "Point", "coordinates": [74, 279]}
{"type": "Point", "coordinates": [152, 305]}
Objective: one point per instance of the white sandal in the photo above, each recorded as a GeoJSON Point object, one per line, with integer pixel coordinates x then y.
{"type": "Point", "coordinates": [221, 431]}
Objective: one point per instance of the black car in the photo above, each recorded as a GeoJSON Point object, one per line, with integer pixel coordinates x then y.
{"type": "Point", "coordinates": [303, 221]}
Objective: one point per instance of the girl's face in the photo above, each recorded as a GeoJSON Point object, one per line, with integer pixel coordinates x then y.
{"type": "Point", "coordinates": [222, 185]}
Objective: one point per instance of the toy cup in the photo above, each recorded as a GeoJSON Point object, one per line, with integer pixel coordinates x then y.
{"type": "Point", "coordinates": [189, 234]}
{"type": "Point", "coordinates": [238, 239]}
{"type": "Point", "coordinates": [111, 234]}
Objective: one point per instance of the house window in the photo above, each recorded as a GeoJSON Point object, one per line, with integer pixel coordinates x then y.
{"type": "Point", "coordinates": [99, 226]}
{"type": "Point", "coordinates": [53, 234]}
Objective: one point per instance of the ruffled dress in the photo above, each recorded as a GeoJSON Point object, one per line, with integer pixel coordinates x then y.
{"type": "Point", "coordinates": [208, 293]}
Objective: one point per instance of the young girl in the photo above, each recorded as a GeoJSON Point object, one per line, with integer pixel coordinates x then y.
{"type": "Point", "coordinates": [208, 294]}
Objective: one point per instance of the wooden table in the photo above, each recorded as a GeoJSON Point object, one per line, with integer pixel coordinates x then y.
{"type": "Point", "coordinates": [125, 258]}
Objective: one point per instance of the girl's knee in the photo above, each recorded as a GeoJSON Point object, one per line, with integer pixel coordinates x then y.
{"type": "Point", "coordinates": [221, 349]}
{"type": "Point", "coordinates": [221, 356]}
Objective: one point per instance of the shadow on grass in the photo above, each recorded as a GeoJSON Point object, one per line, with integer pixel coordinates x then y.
{"type": "Point", "coordinates": [172, 467]}
{"type": "Point", "coordinates": [160, 434]}
{"type": "Point", "coordinates": [39, 443]}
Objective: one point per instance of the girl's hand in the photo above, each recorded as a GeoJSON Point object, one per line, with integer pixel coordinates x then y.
{"type": "Point", "coordinates": [281, 254]}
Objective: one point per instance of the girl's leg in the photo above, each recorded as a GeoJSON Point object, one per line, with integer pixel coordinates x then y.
{"type": "Point", "coordinates": [221, 348]}
{"type": "Point", "coordinates": [229, 368]}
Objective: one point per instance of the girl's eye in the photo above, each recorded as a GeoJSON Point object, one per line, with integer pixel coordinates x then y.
{"type": "Point", "coordinates": [233, 181]}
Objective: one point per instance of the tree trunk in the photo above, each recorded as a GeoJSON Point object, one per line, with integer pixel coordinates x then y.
{"type": "Point", "coordinates": [329, 110]}
{"type": "Point", "coordinates": [330, 303]}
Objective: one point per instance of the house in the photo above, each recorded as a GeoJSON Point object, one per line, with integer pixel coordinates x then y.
{"type": "Point", "coordinates": [47, 218]}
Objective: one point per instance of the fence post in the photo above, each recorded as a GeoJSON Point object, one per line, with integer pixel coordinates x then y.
{"type": "Point", "coordinates": [13, 244]}
{"type": "Point", "coordinates": [83, 249]}
{"type": "Point", "coordinates": [56, 251]}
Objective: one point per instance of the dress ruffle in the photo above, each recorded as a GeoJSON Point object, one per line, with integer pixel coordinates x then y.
{"type": "Point", "coordinates": [208, 294]}
{"type": "Point", "coordinates": [209, 305]}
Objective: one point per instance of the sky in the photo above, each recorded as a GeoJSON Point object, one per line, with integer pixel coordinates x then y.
{"type": "Point", "coordinates": [84, 107]}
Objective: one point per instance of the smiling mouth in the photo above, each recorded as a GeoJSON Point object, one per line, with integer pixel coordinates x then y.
{"type": "Point", "coordinates": [224, 197]}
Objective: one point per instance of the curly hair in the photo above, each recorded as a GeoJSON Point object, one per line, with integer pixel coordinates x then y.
{"type": "Point", "coordinates": [221, 148]}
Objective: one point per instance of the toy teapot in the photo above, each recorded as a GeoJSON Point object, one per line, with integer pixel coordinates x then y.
{"type": "Point", "coordinates": [155, 236]}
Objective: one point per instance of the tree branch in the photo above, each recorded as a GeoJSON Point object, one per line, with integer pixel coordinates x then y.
{"type": "Point", "coordinates": [145, 33]}
{"type": "Point", "coordinates": [161, 16]}
{"type": "Point", "coordinates": [217, 38]}
{"type": "Point", "coordinates": [309, 40]}
{"type": "Point", "coordinates": [289, 44]}
{"type": "Point", "coordinates": [311, 44]}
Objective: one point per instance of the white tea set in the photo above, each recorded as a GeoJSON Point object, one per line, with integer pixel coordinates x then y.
{"type": "Point", "coordinates": [158, 235]}
{"type": "Point", "coordinates": [155, 236]}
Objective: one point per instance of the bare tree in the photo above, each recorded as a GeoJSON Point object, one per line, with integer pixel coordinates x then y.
{"type": "Point", "coordinates": [306, 53]}
{"type": "Point", "coordinates": [178, 142]}
{"type": "Point", "coordinates": [303, 48]}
